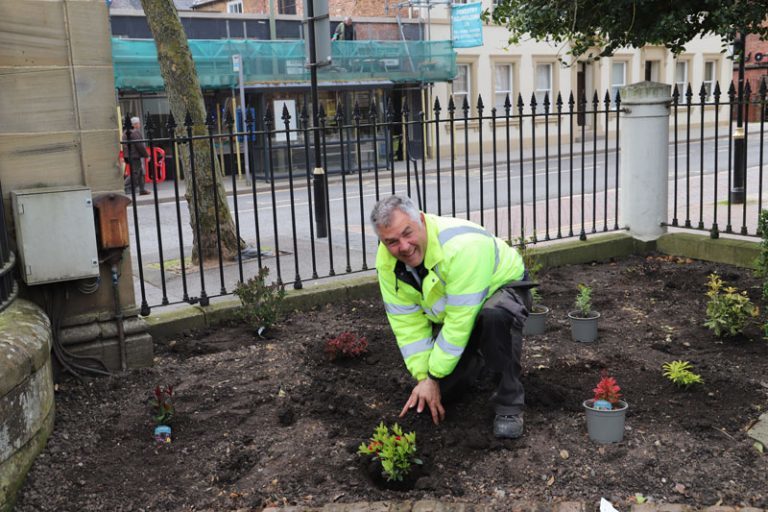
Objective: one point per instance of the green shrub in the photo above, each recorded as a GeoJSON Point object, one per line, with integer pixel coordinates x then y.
{"type": "Point", "coordinates": [728, 310]}
{"type": "Point", "coordinates": [584, 301]}
{"type": "Point", "coordinates": [395, 451]}
{"type": "Point", "coordinates": [262, 303]}
{"type": "Point", "coordinates": [532, 265]}
{"type": "Point", "coordinates": [679, 372]}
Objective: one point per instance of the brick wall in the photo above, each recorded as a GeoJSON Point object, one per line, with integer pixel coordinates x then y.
{"type": "Point", "coordinates": [354, 8]}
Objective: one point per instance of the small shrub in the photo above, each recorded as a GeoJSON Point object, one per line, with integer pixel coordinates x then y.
{"type": "Point", "coordinates": [395, 451]}
{"type": "Point", "coordinates": [262, 303]}
{"type": "Point", "coordinates": [728, 310]}
{"type": "Point", "coordinates": [679, 372]}
{"type": "Point", "coordinates": [532, 265]}
{"type": "Point", "coordinates": [346, 345]}
{"type": "Point", "coordinates": [607, 389]}
{"type": "Point", "coordinates": [584, 301]}
{"type": "Point", "coordinates": [162, 405]}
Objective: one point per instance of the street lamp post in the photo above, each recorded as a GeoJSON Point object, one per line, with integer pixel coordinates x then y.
{"type": "Point", "coordinates": [737, 193]}
{"type": "Point", "coordinates": [318, 20]}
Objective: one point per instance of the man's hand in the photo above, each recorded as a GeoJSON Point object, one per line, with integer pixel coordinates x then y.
{"type": "Point", "coordinates": [426, 392]}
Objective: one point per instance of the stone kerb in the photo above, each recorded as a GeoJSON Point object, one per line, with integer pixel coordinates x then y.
{"type": "Point", "coordinates": [26, 393]}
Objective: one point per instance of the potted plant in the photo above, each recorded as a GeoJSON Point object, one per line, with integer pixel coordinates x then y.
{"type": "Point", "coordinates": [606, 412]}
{"type": "Point", "coordinates": [537, 316]}
{"type": "Point", "coordinates": [392, 457]}
{"type": "Point", "coordinates": [584, 319]}
{"type": "Point", "coordinates": [162, 412]}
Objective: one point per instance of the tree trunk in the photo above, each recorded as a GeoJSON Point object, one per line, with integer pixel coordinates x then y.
{"type": "Point", "coordinates": [186, 97]}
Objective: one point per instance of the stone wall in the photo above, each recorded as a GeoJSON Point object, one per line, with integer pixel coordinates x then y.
{"type": "Point", "coordinates": [26, 393]}
{"type": "Point", "coordinates": [59, 126]}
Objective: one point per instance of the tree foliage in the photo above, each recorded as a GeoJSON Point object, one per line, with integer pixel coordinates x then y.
{"type": "Point", "coordinates": [597, 28]}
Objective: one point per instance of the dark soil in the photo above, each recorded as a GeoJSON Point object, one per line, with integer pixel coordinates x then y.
{"type": "Point", "coordinates": [272, 421]}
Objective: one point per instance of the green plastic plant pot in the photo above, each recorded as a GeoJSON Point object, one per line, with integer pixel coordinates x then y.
{"type": "Point", "coordinates": [584, 330]}
{"type": "Point", "coordinates": [537, 321]}
{"type": "Point", "coordinates": [603, 426]}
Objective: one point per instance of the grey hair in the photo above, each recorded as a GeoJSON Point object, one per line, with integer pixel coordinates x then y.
{"type": "Point", "coordinates": [347, 18]}
{"type": "Point", "coordinates": [381, 215]}
{"type": "Point", "coordinates": [135, 120]}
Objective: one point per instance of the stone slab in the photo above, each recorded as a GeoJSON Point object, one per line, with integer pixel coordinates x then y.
{"type": "Point", "coordinates": [14, 470]}
{"type": "Point", "coordinates": [759, 431]}
{"type": "Point", "coordinates": [741, 253]}
{"type": "Point", "coordinates": [139, 349]}
{"type": "Point", "coordinates": [25, 326]}
{"type": "Point", "coordinates": [37, 101]}
{"type": "Point", "coordinates": [91, 45]}
{"type": "Point", "coordinates": [32, 33]}
{"type": "Point", "coordinates": [23, 409]}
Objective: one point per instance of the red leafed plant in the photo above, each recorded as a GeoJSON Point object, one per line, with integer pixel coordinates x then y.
{"type": "Point", "coordinates": [607, 389]}
{"type": "Point", "coordinates": [162, 405]}
{"type": "Point", "coordinates": [346, 345]}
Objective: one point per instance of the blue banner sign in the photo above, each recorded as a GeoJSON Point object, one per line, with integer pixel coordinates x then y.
{"type": "Point", "coordinates": [466, 25]}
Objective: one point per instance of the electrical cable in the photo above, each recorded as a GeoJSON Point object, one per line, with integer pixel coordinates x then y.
{"type": "Point", "coordinates": [87, 288]}
{"type": "Point", "coordinates": [53, 304]}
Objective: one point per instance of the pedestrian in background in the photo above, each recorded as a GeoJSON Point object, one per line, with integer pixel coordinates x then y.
{"type": "Point", "coordinates": [134, 156]}
{"type": "Point", "coordinates": [345, 30]}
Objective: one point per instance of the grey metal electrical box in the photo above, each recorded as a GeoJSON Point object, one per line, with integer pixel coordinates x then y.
{"type": "Point", "coordinates": [55, 234]}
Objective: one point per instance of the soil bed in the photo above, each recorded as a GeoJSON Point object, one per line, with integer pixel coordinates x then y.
{"type": "Point", "coordinates": [272, 421]}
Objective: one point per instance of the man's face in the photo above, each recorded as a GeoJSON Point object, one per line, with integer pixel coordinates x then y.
{"type": "Point", "coordinates": [347, 22]}
{"type": "Point", "coordinates": [136, 125]}
{"type": "Point", "coordinates": [405, 238]}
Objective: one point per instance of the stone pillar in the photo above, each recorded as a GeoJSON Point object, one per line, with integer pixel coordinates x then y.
{"type": "Point", "coordinates": [644, 164]}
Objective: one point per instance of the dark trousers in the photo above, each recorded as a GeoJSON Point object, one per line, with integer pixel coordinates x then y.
{"type": "Point", "coordinates": [135, 179]}
{"type": "Point", "coordinates": [496, 343]}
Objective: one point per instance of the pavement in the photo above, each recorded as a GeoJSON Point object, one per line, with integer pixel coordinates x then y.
{"type": "Point", "coordinates": [512, 506]}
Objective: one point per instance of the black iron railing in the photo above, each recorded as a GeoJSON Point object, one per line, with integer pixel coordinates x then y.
{"type": "Point", "coordinates": [529, 171]}
{"type": "Point", "coordinates": [718, 151]}
{"type": "Point", "coordinates": [8, 285]}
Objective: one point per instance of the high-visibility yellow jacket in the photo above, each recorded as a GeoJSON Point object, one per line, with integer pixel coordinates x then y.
{"type": "Point", "coordinates": [464, 266]}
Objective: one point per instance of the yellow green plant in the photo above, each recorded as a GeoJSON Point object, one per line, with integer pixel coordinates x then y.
{"type": "Point", "coordinates": [728, 310]}
{"type": "Point", "coordinates": [395, 451]}
{"type": "Point", "coordinates": [679, 372]}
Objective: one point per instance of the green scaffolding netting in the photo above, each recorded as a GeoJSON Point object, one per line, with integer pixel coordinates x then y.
{"type": "Point", "coordinates": [136, 66]}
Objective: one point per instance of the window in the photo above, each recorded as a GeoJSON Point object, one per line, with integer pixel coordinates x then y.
{"type": "Point", "coordinates": [235, 7]}
{"type": "Point", "coordinates": [503, 87]}
{"type": "Point", "coordinates": [286, 6]}
{"type": "Point", "coordinates": [652, 70]}
{"type": "Point", "coordinates": [543, 83]}
{"type": "Point", "coordinates": [710, 77]}
{"type": "Point", "coordinates": [461, 87]}
{"type": "Point", "coordinates": [681, 78]}
{"type": "Point", "coordinates": [618, 78]}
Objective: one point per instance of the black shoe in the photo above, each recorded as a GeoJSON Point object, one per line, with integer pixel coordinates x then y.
{"type": "Point", "coordinates": [508, 426]}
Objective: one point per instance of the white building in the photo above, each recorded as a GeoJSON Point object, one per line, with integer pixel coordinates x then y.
{"type": "Point", "coordinates": [498, 69]}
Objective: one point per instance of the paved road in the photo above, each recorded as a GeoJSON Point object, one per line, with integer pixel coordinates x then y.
{"type": "Point", "coordinates": [499, 196]}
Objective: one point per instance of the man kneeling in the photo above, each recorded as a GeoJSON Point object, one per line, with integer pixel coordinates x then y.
{"type": "Point", "coordinates": [457, 299]}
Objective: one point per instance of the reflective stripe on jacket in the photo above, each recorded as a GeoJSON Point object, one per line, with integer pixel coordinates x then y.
{"type": "Point", "coordinates": [465, 265]}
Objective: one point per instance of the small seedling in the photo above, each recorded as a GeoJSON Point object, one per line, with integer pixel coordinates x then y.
{"type": "Point", "coordinates": [162, 405]}
{"type": "Point", "coordinates": [728, 310]}
{"type": "Point", "coordinates": [679, 372]}
{"type": "Point", "coordinates": [262, 303]}
{"type": "Point", "coordinates": [395, 451]}
{"type": "Point", "coordinates": [346, 345]}
{"type": "Point", "coordinates": [532, 265]}
{"type": "Point", "coordinates": [584, 301]}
